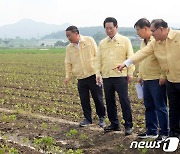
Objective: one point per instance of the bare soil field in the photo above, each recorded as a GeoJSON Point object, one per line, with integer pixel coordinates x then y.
{"type": "Point", "coordinates": [39, 114]}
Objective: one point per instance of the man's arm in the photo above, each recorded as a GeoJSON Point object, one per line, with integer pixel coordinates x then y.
{"type": "Point", "coordinates": [68, 68]}
{"type": "Point", "coordinates": [137, 57]}
{"type": "Point", "coordinates": [163, 78]}
{"type": "Point", "coordinates": [130, 52]}
{"type": "Point", "coordinates": [139, 75]}
{"type": "Point", "coordinates": [94, 47]}
{"type": "Point", "coordinates": [98, 63]}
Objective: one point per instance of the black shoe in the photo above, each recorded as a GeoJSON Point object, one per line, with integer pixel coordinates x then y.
{"type": "Point", "coordinates": [145, 135]}
{"type": "Point", "coordinates": [111, 128]}
{"type": "Point", "coordinates": [85, 123]}
{"type": "Point", "coordinates": [128, 131]}
{"type": "Point", "coordinates": [161, 138]}
{"type": "Point", "coordinates": [174, 134]}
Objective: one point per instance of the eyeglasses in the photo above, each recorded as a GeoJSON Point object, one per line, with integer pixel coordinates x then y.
{"type": "Point", "coordinates": [154, 30]}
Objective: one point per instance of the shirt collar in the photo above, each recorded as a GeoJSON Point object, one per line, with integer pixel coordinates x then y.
{"type": "Point", "coordinates": [112, 39]}
{"type": "Point", "coordinates": [170, 34]}
{"type": "Point", "coordinates": [80, 40]}
{"type": "Point", "coordinates": [150, 40]}
{"type": "Point", "coordinates": [160, 42]}
{"type": "Point", "coordinates": [76, 45]}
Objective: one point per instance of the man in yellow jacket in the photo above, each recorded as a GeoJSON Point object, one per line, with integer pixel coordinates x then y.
{"type": "Point", "coordinates": [112, 50]}
{"type": "Point", "coordinates": [79, 61]}
{"type": "Point", "coordinates": [154, 90]}
{"type": "Point", "coordinates": [166, 48]}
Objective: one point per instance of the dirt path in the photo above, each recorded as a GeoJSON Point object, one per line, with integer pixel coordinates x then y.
{"type": "Point", "coordinates": [52, 119]}
{"type": "Point", "coordinates": [101, 141]}
{"type": "Point", "coordinates": [96, 141]}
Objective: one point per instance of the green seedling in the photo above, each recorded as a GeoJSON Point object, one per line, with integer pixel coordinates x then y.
{"type": "Point", "coordinates": [45, 143]}
{"type": "Point", "coordinates": [44, 126]}
{"type": "Point", "coordinates": [83, 137]}
{"type": "Point", "coordinates": [72, 133]}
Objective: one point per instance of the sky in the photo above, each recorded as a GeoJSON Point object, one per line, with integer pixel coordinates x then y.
{"type": "Point", "coordinates": [85, 13]}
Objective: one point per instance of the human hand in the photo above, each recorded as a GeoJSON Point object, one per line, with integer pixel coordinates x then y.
{"type": "Point", "coordinates": [119, 67]}
{"type": "Point", "coordinates": [99, 80]}
{"type": "Point", "coordinates": [162, 81]}
{"type": "Point", "coordinates": [66, 81]}
{"type": "Point", "coordinates": [130, 78]}
{"type": "Point", "coordinates": [139, 80]}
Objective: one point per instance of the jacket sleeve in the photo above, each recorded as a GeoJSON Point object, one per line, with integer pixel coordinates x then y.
{"type": "Point", "coordinates": [139, 74]}
{"type": "Point", "coordinates": [68, 65]}
{"type": "Point", "coordinates": [94, 45]}
{"type": "Point", "coordinates": [142, 54]}
{"type": "Point", "coordinates": [98, 62]}
{"type": "Point", "coordinates": [163, 74]}
{"type": "Point", "coordinates": [130, 69]}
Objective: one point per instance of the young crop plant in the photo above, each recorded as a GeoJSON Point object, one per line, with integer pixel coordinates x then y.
{"type": "Point", "coordinates": [47, 145]}
{"type": "Point", "coordinates": [72, 133]}
{"type": "Point", "coordinates": [13, 151]}
{"type": "Point", "coordinates": [83, 137]}
{"type": "Point", "coordinates": [2, 101]}
{"type": "Point", "coordinates": [6, 149]}
{"type": "Point", "coordinates": [71, 151]}
{"type": "Point", "coordinates": [107, 121]}
{"type": "Point", "coordinates": [44, 143]}
{"type": "Point", "coordinates": [44, 126]}
{"type": "Point", "coordinates": [54, 127]}
{"type": "Point", "coordinates": [143, 150]}
{"type": "Point", "coordinates": [121, 148]}
{"type": "Point", "coordinates": [26, 140]}
{"type": "Point", "coordinates": [8, 118]}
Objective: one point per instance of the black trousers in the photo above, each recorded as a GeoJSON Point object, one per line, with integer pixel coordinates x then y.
{"type": "Point", "coordinates": [85, 86]}
{"type": "Point", "coordinates": [173, 92]}
{"type": "Point", "coordinates": [119, 85]}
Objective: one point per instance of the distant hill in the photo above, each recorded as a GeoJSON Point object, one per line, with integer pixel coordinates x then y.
{"type": "Point", "coordinates": [91, 31]}
{"type": "Point", "coordinates": [28, 28]}
{"type": "Point", "coordinates": [98, 33]}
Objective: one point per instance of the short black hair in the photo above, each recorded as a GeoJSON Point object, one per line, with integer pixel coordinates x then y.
{"type": "Point", "coordinates": [110, 19]}
{"type": "Point", "coordinates": [159, 23]}
{"type": "Point", "coordinates": [141, 23]}
{"type": "Point", "coordinates": [73, 29]}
